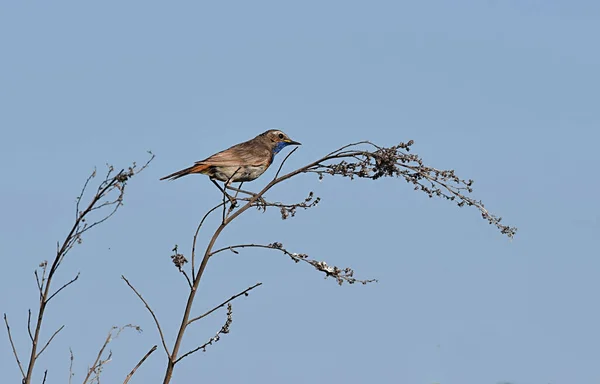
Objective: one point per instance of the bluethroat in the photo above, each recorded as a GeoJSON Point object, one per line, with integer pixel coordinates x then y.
{"type": "Point", "coordinates": [242, 162]}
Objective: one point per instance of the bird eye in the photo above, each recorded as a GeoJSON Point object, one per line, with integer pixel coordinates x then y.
{"type": "Point", "coordinates": [281, 135]}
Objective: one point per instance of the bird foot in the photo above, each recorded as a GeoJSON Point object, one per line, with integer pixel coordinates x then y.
{"type": "Point", "coordinates": [261, 204]}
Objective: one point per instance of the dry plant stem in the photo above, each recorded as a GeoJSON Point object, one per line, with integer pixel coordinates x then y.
{"type": "Point", "coordinates": [283, 162]}
{"type": "Point", "coordinates": [244, 292]}
{"type": "Point", "coordinates": [110, 184]}
{"type": "Point", "coordinates": [46, 292]}
{"type": "Point", "coordinates": [49, 341]}
{"type": "Point", "coordinates": [98, 357]}
{"type": "Point", "coordinates": [341, 275]}
{"type": "Point", "coordinates": [188, 307]}
{"type": "Point", "coordinates": [12, 344]}
{"type": "Point", "coordinates": [196, 236]}
{"type": "Point", "coordinates": [224, 330]}
{"type": "Point", "coordinates": [71, 365]}
{"type": "Point", "coordinates": [63, 287]}
{"type": "Point", "coordinates": [45, 374]}
{"type": "Point", "coordinates": [162, 337]}
{"type": "Point", "coordinates": [380, 162]}
{"type": "Point", "coordinates": [29, 325]}
{"type": "Point", "coordinates": [139, 364]}
{"type": "Point", "coordinates": [99, 363]}
{"type": "Point", "coordinates": [187, 278]}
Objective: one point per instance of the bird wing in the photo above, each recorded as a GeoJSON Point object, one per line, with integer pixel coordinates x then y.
{"type": "Point", "coordinates": [247, 153]}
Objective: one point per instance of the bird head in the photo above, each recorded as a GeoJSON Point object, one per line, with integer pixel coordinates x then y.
{"type": "Point", "coordinates": [278, 140]}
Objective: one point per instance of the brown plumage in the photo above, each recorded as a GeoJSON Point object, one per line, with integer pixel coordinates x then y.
{"type": "Point", "coordinates": [242, 162]}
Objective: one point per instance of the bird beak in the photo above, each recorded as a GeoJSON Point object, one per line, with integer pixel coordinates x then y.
{"type": "Point", "coordinates": [292, 142]}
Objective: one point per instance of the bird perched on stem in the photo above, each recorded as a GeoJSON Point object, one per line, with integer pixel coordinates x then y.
{"type": "Point", "coordinates": [242, 162]}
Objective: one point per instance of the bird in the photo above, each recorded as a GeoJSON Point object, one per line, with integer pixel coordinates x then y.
{"type": "Point", "coordinates": [240, 163]}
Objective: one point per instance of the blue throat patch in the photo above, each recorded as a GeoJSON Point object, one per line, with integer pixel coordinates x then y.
{"type": "Point", "coordinates": [279, 147]}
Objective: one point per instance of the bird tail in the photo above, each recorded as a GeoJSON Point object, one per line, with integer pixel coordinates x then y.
{"type": "Point", "coordinates": [197, 168]}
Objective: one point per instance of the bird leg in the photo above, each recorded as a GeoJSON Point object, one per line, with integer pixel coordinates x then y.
{"type": "Point", "coordinates": [238, 190]}
{"type": "Point", "coordinates": [231, 199]}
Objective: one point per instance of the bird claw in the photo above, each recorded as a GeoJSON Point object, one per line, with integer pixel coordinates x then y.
{"type": "Point", "coordinates": [261, 203]}
{"type": "Point", "coordinates": [231, 199]}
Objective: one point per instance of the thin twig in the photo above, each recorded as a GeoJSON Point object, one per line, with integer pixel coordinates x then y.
{"type": "Point", "coordinates": [39, 284]}
{"type": "Point", "coordinates": [196, 236]}
{"type": "Point", "coordinates": [99, 356]}
{"type": "Point", "coordinates": [78, 199]}
{"type": "Point", "coordinates": [139, 364]}
{"type": "Point", "coordinates": [29, 325]}
{"type": "Point", "coordinates": [63, 287]}
{"type": "Point", "coordinates": [45, 374]}
{"type": "Point", "coordinates": [12, 344]}
{"type": "Point", "coordinates": [187, 278]}
{"type": "Point", "coordinates": [192, 351]}
{"type": "Point", "coordinates": [49, 341]}
{"type": "Point", "coordinates": [162, 337]}
{"type": "Point", "coordinates": [71, 366]}
{"type": "Point", "coordinates": [340, 274]}
{"type": "Point", "coordinates": [244, 292]}
{"type": "Point", "coordinates": [283, 162]}
{"type": "Point", "coordinates": [224, 329]}
{"type": "Point", "coordinates": [339, 150]}
{"type": "Point", "coordinates": [99, 363]}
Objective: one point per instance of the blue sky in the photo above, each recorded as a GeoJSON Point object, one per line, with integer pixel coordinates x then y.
{"type": "Point", "coordinates": [504, 92]}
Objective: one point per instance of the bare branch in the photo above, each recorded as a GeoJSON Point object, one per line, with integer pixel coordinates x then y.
{"type": "Point", "coordinates": [224, 329]}
{"type": "Point", "coordinates": [49, 341]}
{"type": "Point", "coordinates": [99, 363]}
{"type": "Point", "coordinates": [139, 364]}
{"type": "Point", "coordinates": [63, 287]}
{"type": "Point", "coordinates": [29, 324]}
{"type": "Point", "coordinates": [39, 284]}
{"type": "Point", "coordinates": [340, 274]}
{"type": "Point", "coordinates": [109, 192]}
{"type": "Point", "coordinates": [162, 337]}
{"type": "Point", "coordinates": [45, 374]}
{"type": "Point", "coordinates": [244, 292]}
{"type": "Point", "coordinates": [78, 199]}
{"type": "Point", "coordinates": [196, 236]}
{"type": "Point", "coordinates": [187, 278]}
{"type": "Point", "coordinates": [12, 344]}
{"type": "Point", "coordinates": [71, 374]}
{"type": "Point", "coordinates": [341, 149]}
